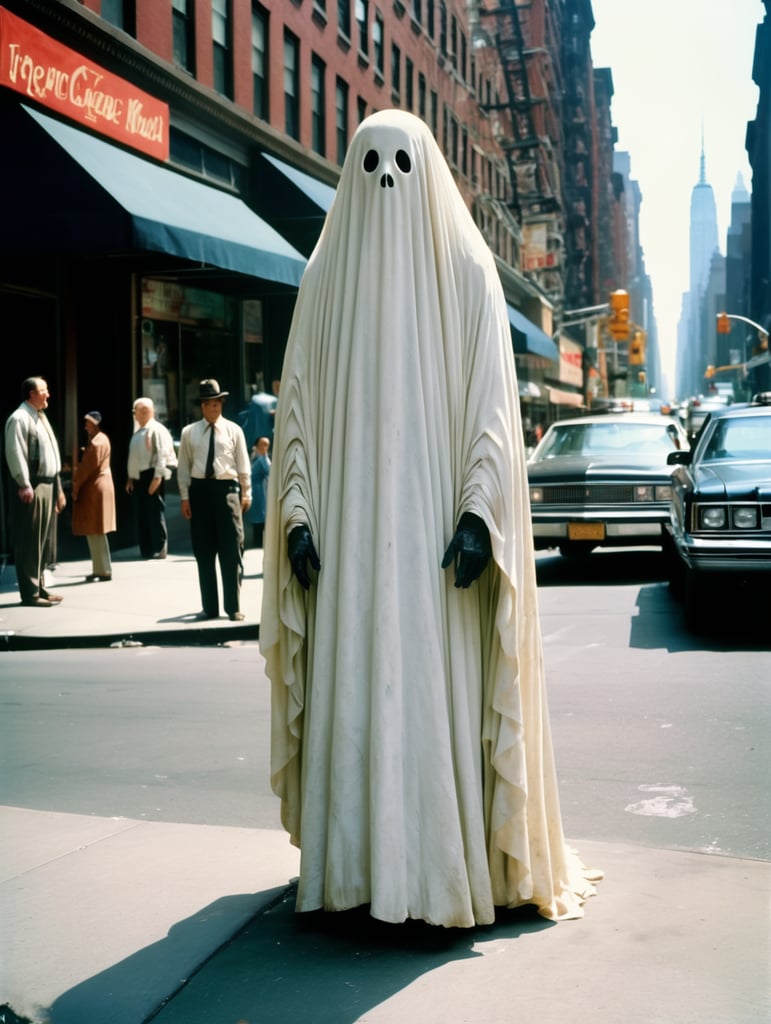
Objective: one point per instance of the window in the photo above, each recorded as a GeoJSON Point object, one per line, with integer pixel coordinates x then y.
{"type": "Point", "coordinates": [435, 115]}
{"type": "Point", "coordinates": [318, 105]}
{"type": "Point", "coordinates": [377, 42]}
{"type": "Point", "coordinates": [221, 33]}
{"type": "Point", "coordinates": [409, 76]}
{"type": "Point", "coordinates": [454, 40]}
{"type": "Point", "coordinates": [430, 18]}
{"type": "Point", "coordinates": [442, 29]}
{"type": "Point", "coordinates": [463, 56]}
{"type": "Point", "coordinates": [292, 85]}
{"type": "Point", "coordinates": [205, 160]}
{"type": "Point", "coordinates": [260, 61]}
{"type": "Point", "coordinates": [182, 27]}
{"type": "Point", "coordinates": [361, 109]}
{"type": "Point", "coordinates": [121, 14]}
{"type": "Point", "coordinates": [344, 18]}
{"type": "Point", "coordinates": [362, 17]}
{"type": "Point", "coordinates": [421, 95]}
{"type": "Point", "coordinates": [417, 11]}
{"type": "Point", "coordinates": [396, 70]}
{"type": "Point", "coordinates": [341, 119]}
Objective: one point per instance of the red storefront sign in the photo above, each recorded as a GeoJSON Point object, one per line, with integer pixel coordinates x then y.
{"type": "Point", "coordinates": [41, 69]}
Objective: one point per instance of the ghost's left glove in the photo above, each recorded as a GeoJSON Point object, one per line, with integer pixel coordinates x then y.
{"type": "Point", "coordinates": [471, 546]}
{"type": "Point", "coordinates": [302, 551]}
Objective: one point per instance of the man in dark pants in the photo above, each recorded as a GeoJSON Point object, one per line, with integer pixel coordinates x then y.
{"type": "Point", "coordinates": [32, 453]}
{"type": "Point", "coordinates": [150, 460]}
{"type": "Point", "coordinates": [214, 477]}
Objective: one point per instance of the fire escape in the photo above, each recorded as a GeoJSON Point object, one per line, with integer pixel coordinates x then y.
{"type": "Point", "coordinates": [530, 155]}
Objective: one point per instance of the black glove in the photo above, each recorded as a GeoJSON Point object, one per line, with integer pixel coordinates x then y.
{"type": "Point", "coordinates": [302, 551]}
{"type": "Point", "coordinates": [471, 544]}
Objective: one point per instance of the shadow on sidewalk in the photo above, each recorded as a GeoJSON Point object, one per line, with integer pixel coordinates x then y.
{"type": "Point", "coordinates": [329, 968]}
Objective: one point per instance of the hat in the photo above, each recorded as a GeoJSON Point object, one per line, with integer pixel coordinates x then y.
{"type": "Point", "coordinates": [95, 417]}
{"type": "Point", "coordinates": [210, 389]}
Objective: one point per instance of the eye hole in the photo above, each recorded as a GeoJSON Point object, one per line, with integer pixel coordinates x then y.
{"type": "Point", "coordinates": [371, 160]}
{"type": "Point", "coordinates": [403, 161]}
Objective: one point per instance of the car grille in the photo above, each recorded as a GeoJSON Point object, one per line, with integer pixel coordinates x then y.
{"type": "Point", "coordinates": [583, 494]}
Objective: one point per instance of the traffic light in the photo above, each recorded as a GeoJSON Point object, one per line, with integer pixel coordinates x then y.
{"type": "Point", "coordinates": [723, 324]}
{"type": "Point", "coordinates": [618, 324]}
{"type": "Point", "coordinates": [637, 349]}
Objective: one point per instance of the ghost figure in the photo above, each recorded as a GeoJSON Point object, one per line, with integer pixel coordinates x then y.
{"type": "Point", "coordinates": [410, 740]}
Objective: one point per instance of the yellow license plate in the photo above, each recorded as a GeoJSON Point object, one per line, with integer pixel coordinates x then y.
{"type": "Point", "coordinates": [586, 531]}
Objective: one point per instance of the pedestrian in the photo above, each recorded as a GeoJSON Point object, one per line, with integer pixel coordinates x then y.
{"type": "Point", "coordinates": [215, 487]}
{"type": "Point", "coordinates": [151, 458]}
{"type": "Point", "coordinates": [410, 741]}
{"type": "Point", "coordinates": [258, 417]}
{"type": "Point", "coordinates": [260, 475]}
{"type": "Point", "coordinates": [93, 498]}
{"type": "Point", "coordinates": [33, 458]}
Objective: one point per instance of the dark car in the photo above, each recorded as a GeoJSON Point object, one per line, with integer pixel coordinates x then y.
{"type": "Point", "coordinates": [720, 522]}
{"type": "Point", "coordinates": [602, 481]}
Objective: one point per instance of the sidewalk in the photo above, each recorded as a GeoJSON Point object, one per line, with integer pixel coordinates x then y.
{"type": "Point", "coordinates": [112, 921]}
{"type": "Point", "coordinates": [147, 602]}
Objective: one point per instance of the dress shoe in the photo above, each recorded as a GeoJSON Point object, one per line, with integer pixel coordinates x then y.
{"type": "Point", "coordinates": [53, 598]}
{"type": "Point", "coordinates": [38, 602]}
{"type": "Point", "coordinates": [204, 617]}
{"type": "Point", "coordinates": [236, 616]}
{"type": "Point", "coordinates": [94, 577]}
{"type": "Point", "coordinates": [157, 555]}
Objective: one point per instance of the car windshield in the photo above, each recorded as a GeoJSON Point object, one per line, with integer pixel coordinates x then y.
{"type": "Point", "coordinates": [745, 437]}
{"type": "Point", "coordinates": [610, 439]}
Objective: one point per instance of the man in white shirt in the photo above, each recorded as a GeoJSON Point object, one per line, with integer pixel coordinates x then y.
{"type": "Point", "coordinates": [33, 458]}
{"type": "Point", "coordinates": [215, 487]}
{"type": "Point", "coordinates": [150, 460]}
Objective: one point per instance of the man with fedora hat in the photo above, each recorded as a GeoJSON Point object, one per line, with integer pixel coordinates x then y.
{"type": "Point", "coordinates": [215, 487]}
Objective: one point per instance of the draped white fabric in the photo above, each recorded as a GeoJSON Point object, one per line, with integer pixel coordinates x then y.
{"type": "Point", "coordinates": [410, 736]}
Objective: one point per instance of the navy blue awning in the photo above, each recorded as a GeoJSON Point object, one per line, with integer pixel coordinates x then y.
{"type": "Point", "coordinates": [167, 212]}
{"type": "Point", "coordinates": [530, 339]}
{"type": "Point", "coordinates": [319, 193]}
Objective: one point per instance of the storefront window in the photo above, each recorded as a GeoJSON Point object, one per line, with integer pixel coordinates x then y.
{"type": "Point", "coordinates": [187, 335]}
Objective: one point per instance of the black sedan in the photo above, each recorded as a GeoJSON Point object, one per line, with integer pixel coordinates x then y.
{"type": "Point", "coordinates": [603, 481]}
{"type": "Point", "coordinates": [721, 509]}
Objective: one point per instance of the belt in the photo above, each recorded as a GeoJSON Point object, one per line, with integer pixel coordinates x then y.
{"type": "Point", "coordinates": [35, 480]}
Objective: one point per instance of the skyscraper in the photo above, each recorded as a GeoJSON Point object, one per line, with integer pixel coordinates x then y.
{"type": "Point", "coordinates": [692, 348]}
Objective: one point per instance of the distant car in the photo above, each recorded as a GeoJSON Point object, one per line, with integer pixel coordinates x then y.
{"type": "Point", "coordinates": [697, 409]}
{"type": "Point", "coordinates": [720, 524]}
{"type": "Point", "coordinates": [602, 481]}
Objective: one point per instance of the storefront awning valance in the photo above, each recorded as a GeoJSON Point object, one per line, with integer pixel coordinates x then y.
{"type": "Point", "coordinates": [529, 338]}
{"type": "Point", "coordinates": [168, 212]}
{"type": "Point", "coordinates": [559, 397]}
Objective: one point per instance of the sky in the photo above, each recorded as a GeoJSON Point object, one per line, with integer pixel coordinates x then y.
{"type": "Point", "coordinates": [678, 66]}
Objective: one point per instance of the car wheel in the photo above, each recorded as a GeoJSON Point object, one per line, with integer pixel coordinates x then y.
{"type": "Point", "coordinates": [576, 548]}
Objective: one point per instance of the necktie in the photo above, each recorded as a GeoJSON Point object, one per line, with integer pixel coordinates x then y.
{"type": "Point", "coordinates": [210, 456]}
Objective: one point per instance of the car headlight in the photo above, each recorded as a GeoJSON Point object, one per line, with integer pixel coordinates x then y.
{"type": "Point", "coordinates": [746, 518]}
{"type": "Point", "coordinates": [664, 492]}
{"type": "Point", "coordinates": [713, 518]}
{"type": "Point", "coordinates": [643, 494]}
{"type": "Point", "coordinates": [536, 494]}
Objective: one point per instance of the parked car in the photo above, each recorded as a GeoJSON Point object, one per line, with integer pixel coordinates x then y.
{"type": "Point", "coordinates": [602, 481]}
{"type": "Point", "coordinates": [720, 523]}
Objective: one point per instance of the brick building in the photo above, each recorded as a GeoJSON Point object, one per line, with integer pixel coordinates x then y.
{"type": "Point", "coordinates": [141, 261]}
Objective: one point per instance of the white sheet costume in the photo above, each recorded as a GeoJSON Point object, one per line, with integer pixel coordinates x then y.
{"type": "Point", "coordinates": [410, 739]}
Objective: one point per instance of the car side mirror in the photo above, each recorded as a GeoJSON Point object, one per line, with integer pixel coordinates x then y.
{"type": "Point", "coordinates": [679, 458]}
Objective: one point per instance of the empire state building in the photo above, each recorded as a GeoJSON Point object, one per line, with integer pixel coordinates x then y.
{"type": "Point", "coordinates": [692, 344]}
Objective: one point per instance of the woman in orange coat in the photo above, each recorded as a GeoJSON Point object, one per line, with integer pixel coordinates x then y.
{"type": "Point", "coordinates": [93, 498]}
